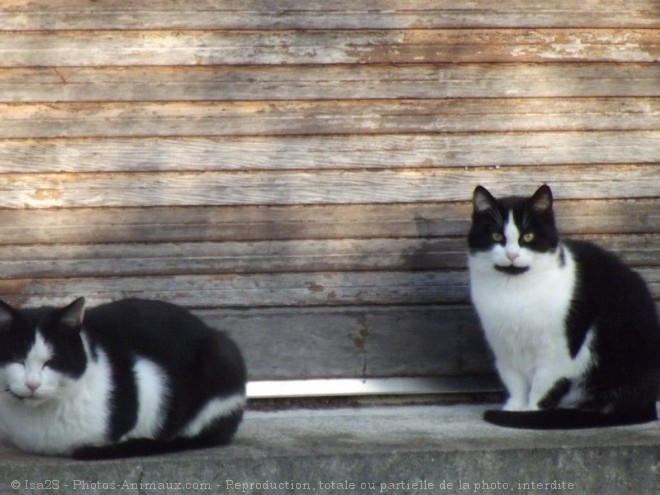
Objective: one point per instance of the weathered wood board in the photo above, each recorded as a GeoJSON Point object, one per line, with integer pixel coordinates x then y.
{"type": "Point", "coordinates": [289, 87]}
{"type": "Point", "coordinates": [59, 120]}
{"type": "Point", "coordinates": [320, 14]}
{"type": "Point", "coordinates": [342, 150]}
{"type": "Point", "coordinates": [211, 47]}
{"type": "Point", "coordinates": [143, 189]}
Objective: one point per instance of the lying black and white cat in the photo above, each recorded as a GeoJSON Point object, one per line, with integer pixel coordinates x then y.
{"type": "Point", "coordinates": [574, 331]}
{"type": "Point", "coordinates": [133, 377]}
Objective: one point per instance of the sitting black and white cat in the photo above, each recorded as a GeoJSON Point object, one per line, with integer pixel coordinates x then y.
{"type": "Point", "coordinates": [133, 377]}
{"type": "Point", "coordinates": [574, 331]}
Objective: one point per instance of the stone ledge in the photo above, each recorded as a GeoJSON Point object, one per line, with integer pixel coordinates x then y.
{"type": "Point", "coordinates": [398, 449]}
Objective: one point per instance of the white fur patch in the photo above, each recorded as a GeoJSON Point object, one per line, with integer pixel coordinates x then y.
{"type": "Point", "coordinates": [216, 408]}
{"type": "Point", "coordinates": [523, 317]}
{"type": "Point", "coordinates": [151, 384]}
{"type": "Point", "coordinates": [70, 412]}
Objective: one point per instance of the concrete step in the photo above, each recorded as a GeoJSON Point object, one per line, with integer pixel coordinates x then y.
{"type": "Point", "coordinates": [397, 449]}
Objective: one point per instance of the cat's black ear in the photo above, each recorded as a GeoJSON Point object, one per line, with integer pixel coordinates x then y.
{"type": "Point", "coordinates": [483, 200]}
{"type": "Point", "coordinates": [541, 201]}
{"type": "Point", "coordinates": [7, 314]}
{"type": "Point", "coordinates": [71, 317]}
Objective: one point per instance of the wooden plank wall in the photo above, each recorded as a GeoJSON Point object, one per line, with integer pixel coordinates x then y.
{"type": "Point", "coordinates": [299, 172]}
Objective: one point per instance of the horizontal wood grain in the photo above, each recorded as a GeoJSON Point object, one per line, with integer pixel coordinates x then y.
{"type": "Point", "coordinates": [279, 223]}
{"type": "Point", "coordinates": [355, 341]}
{"type": "Point", "coordinates": [258, 290]}
{"type": "Point", "coordinates": [184, 47]}
{"type": "Point", "coordinates": [353, 151]}
{"type": "Point", "coordinates": [466, 115]}
{"type": "Point", "coordinates": [322, 82]}
{"type": "Point", "coordinates": [320, 14]}
{"type": "Point", "coordinates": [264, 290]}
{"type": "Point", "coordinates": [137, 259]}
{"type": "Point", "coordinates": [77, 190]}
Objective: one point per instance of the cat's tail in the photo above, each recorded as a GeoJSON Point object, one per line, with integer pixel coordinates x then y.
{"type": "Point", "coordinates": [219, 434]}
{"type": "Point", "coordinates": [142, 447]}
{"type": "Point", "coordinates": [137, 447]}
{"type": "Point", "coordinates": [567, 419]}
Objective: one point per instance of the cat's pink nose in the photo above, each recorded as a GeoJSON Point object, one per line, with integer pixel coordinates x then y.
{"type": "Point", "coordinates": [512, 256]}
{"type": "Point", "coordinates": [32, 386]}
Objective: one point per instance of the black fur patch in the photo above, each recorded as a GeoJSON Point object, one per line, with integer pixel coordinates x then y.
{"type": "Point", "coordinates": [554, 396]}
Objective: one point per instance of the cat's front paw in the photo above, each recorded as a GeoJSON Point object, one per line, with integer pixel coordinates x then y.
{"type": "Point", "coordinates": [513, 404]}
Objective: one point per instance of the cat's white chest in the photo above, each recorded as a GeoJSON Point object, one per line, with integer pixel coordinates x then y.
{"type": "Point", "coordinates": [524, 316]}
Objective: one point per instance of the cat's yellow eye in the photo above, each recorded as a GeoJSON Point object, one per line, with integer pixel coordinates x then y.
{"type": "Point", "coordinates": [497, 237]}
{"type": "Point", "coordinates": [528, 237]}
